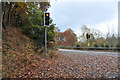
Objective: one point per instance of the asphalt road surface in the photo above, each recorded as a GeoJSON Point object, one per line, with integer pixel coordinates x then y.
{"type": "Point", "coordinates": [90, 64]}
{"type": "Point", "coordinates": [79, 64]}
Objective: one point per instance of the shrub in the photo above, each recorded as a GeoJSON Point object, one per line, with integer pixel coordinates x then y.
{"type": "Point", "coordinates": [77, 45]}
{"type": "Point", "coordinates": [111, 46]}
{"type": "Point", "coordinates": [102, 45]}
{"type": "Point", "coordinates": [96, 45]}
{"type": "Point", "coordinates": [52, 53]}
{"type": "Point", "coordinates": [118, 45]}
{"type": "Point", "coordinates": [107, 46]}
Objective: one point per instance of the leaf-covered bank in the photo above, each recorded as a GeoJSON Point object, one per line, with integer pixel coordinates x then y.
{"type": "Point", "coordinates": [20, 55]}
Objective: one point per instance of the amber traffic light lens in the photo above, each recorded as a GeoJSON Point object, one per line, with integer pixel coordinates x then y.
{"type": "Point", "coordinates": [47, 14]}
{"type": "Point", "coordinates": [47, 19]}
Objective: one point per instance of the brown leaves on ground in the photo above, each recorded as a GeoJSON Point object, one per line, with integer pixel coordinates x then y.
{"type": "Point", "coordinates": [19, 57]}
{"type": "Point", "coordinates": [19, 60]}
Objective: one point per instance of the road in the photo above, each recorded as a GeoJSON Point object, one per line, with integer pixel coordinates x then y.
{"type": "Point", "coordinates": [91, 52]}
{"type": "Point", "coordinates": [94, 63]}
{"type": "Point", "coordinates": [91, 64]}
{"type": "Point", "coordinates": [79, 64]}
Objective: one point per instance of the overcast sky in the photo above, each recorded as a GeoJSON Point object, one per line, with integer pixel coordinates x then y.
{"type": "Point", "coordinates": [73, 14]}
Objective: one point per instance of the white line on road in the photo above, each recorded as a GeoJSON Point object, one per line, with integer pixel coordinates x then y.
{"type": "Point", "coordinates": [89, 52]}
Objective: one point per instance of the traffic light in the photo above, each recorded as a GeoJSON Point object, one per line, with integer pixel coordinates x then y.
{"type": "Point", "coordinates": [88, 35]}
{"type": "Point", "coordinates": [47, 19]}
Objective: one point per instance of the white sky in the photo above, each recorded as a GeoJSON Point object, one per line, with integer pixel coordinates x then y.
{"type": "Point", "coordinates": [85, 0]}
{"type": "Point", "coordinates": [74, 14]}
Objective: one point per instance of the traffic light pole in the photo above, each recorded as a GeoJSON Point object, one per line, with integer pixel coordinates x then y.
{"type": "Point", "coordinates": [88, 43]}
{"type": "Point", "coordinates": [45, 37]}
{"type": "Point", "coordinates": [45, 42]}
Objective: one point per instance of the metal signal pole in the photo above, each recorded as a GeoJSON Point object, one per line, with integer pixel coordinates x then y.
{"type": "Point", "coordinates": [88, 43]}
{"type": "Point", "coordinates": [45, 37]}
{"type": "Point", "coordinates": [45, 42]}
{"type": "Point", "coordinates": [46, 23]}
